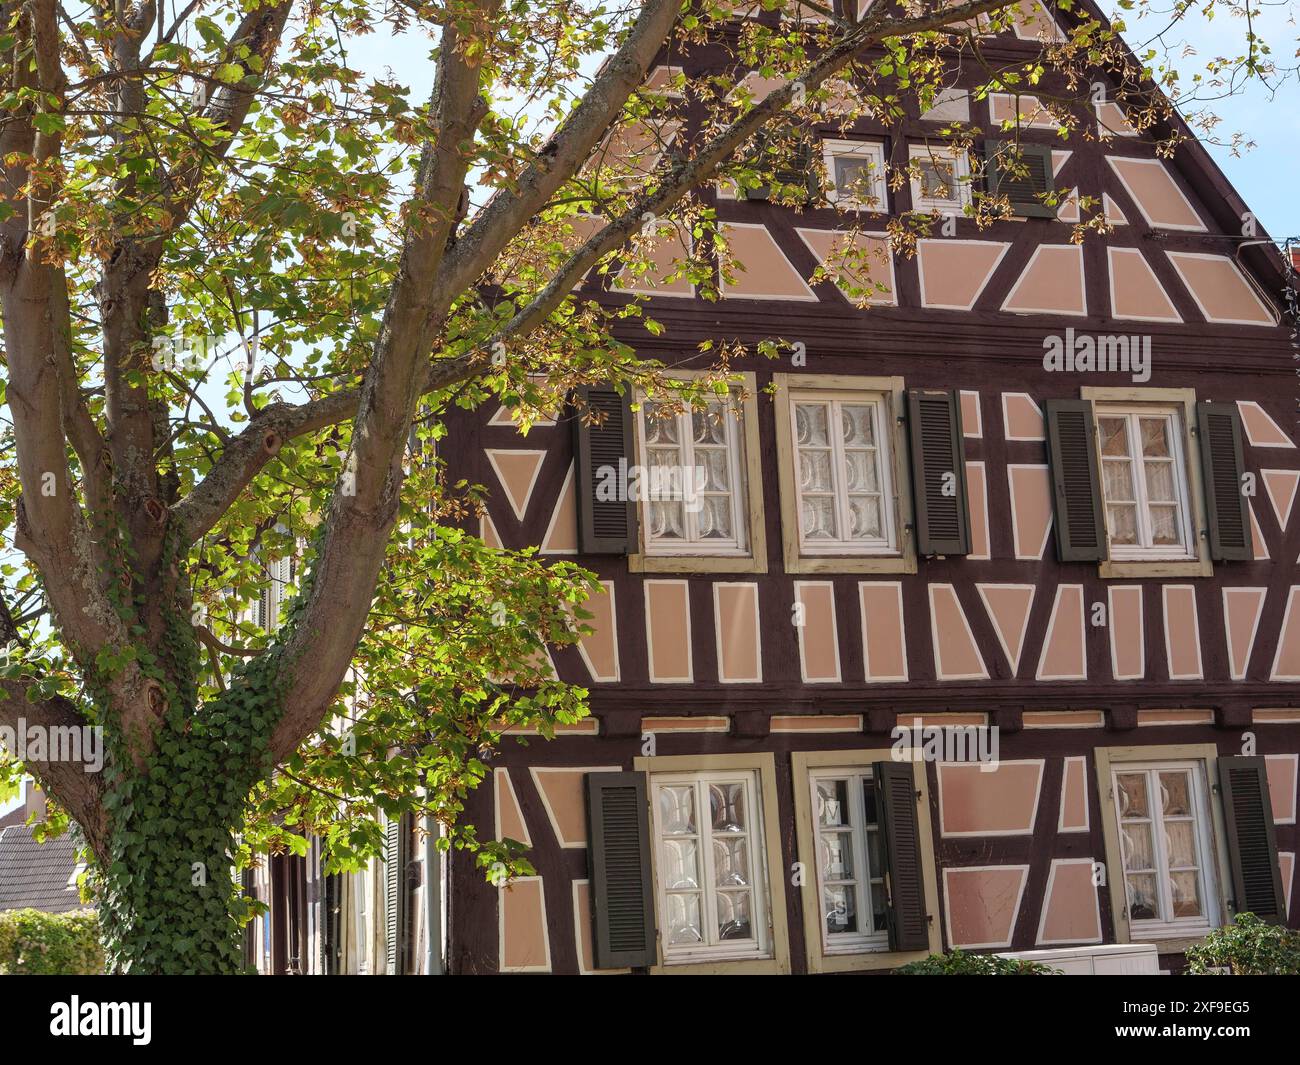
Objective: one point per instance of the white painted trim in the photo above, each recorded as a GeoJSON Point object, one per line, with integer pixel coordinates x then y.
{"type": "Point", "coordinates": [1041, 763]}
{"type": "Point", "coordinates": [501, 928]}
{"type": "Point", "coordinates": [649, 635]}
{"type": "Point", "coordinates": [519, 509]}
{"type": "Point", "coordinates": [1015, 524]}
{"type": "Point", "coordinates": [934, 637]}
{"type": "Point", "coordinates": [862, 613]}
{"type": "Point", "coordinates": [1061, 826]}
{"type": "Point", "coordinates": [1006, 420]}
{"type": "Point", "coordinates": [1029, 267]}
{"type": "Point", "coordinates": [1039, 939]}
{"type": "Point", "coordinates": [1051, 631]}
{"type": "Point", "coordinates": [1142, 630]}
{"type": "Point", "coordinates": [1015, 913]}
{"type": "Point", "coordinates": [979, 291]}
{"type": "Point", "coordinates": [1269, 312]}
{"type": "Point", "coordinates": [803, 629]}
{"type": "Point", "coordinates": [1165, 589]}
{"type": "Point", "coordinates": [1012, 660]}
{"type": "Point", "coordinates": [717, 632]}
{"type": "Point", "coordinates": [1111, 160]}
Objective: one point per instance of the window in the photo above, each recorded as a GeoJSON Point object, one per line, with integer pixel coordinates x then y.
{"type": "Point", "coordinates": [694, 495]}
{"type": "Point", "coordinates": [1164, 843]}
{"type": "Point", "coordinates": [857, 173]}
{"type": "Point", "coordinates": [845, 502]}
{"type": "Point", "coordinates": [850, 869]}
{"type": "Point", "coordinates": [941, 178]}
{"type": "Point", "coordinates": [710, 856]}
{"type": "Point", "coordinates": [1144, 482]}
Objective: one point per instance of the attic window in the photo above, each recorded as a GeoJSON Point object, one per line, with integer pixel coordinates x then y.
{"type": "Point", "coordinates": [857, 173]}
{"type": "Point", "coordinates": [940, 179]}
{"type": "Point", "coordinates": [1021, 173]}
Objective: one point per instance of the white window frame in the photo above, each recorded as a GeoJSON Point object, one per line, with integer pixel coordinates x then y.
{"type": "Point", "coordinates": [836, 399]}
{"type": "Point", "coordinates": [1146, 550]}
{"type": "Point", "coordinates": [737, 467]}
{"type": "Point", "coordinates": [858, 779]}
{"type": "Point", "coordinates": [759, 945]}
{"type": "Point", "coordinates": [872, 152]}
{"type": "Point", "coordinates": [960, 172]}
{"type": "Point", "coordinates": [1167, 927]}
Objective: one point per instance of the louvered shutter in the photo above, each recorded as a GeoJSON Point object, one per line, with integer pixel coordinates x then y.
{"type": "Point", "coordinates": [898, 813]}
{"type": "Point", "coordinates": [603, 454]}
{"type": "Point", "coordinates": [396, 856]}
{"type": "Point", "coordinates": [1218, 427]}
{"type": "Point", "coordinates": [1072, 453]}
{"type": "Point", "coordinates": [938, 473]}
{"type": "Point", "coordinates": [1020, 172]}
{"type": "Point", "coordinates": [1252, 841]}
{"type": "Point", "coordinates": [622, 901]}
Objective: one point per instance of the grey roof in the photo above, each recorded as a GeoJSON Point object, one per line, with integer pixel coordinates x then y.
{"type": "Point", "coordinates": [36, 875]}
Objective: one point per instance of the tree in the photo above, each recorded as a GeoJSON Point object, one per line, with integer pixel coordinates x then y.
{"type": "Point", "coordinates": [240, 290]}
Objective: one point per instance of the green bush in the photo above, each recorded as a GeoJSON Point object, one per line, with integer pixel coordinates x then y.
{"type": "Point", "coordinates": [959, 963]}
{"type": "Point", "coordinates": [34, 943]}
{"type": "Point", "coordinates": [1247, 947]}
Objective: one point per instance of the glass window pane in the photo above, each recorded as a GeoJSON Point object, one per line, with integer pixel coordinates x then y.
{"type": "Point", "coordinates": [818, 516]}
{"type": "Point", "coordinates": [1118, 477]}
{"type": "Point", "coordinates": [684, 920]}
{"type": "Point", "coordinates": [677, 809]}
{"type": "Point", "coordinates": [682, 859]}
{"type": "Point", "coordinates": [836, 851]}
{"type": "Point", "coordinates": [1160, 482]}
{"type": "Point", "coordinates": [860, 471]}
{"type": "Point", "coordinates": [857, 425]}
{"type": "Point", "coordinates": [1175, 794]}
{"type": "Point", "coordinates": [1185, 890]}
{"type": "Point", "coordinates": [1164, 526]}
{"type": "Point", "coordinates": [1142, 903]}
{"type": "Point", "coordinates": [1136, 846]}
{"type": "Point", "coordinates": [840, 905]}
{"type": "Point", "coordinates": [733, 915]}
{"type": "Point", "coordinates": [709, 425]}
{"type": "Point", "coordinates": [731, 862]}
{"type": "Point", "coordinates": [811, 425]}
{"type": "Point", "coordinates": [1180, 843]}
{"type": "Point", "coordinates": [727, 803]}
{"type": "Point", "coordinates": [667, 521]}
{"type": "Point", "coordinates": [1114, 436]}
{"type": "Point", "coordinates": [1131, 791]}
{"type": "Point", "coordinates": [1121, 523]}
{"type": "Point", "coordinates": [815, 471]}
{"type": "Point", "coordinates": [879, 910]}
{"type": "Point", "coordinates": [833, 802]}
{"type": "Point", "coordinates": [715, 519]}
{"type": "Point", "coordinates": [865, 518]}
{"type": "Point", "coordinates": [660, 428]}
{"type": "Point", "coordinates": [1155, 436]}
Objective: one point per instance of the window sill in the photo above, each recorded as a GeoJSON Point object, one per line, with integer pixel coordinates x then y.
{"type": "Point", "coordinates": [851, 564]}
{"type": "Point", "coordinates": [864, 961]}
{"type": "Point", "coordinates": [643, 563]}
{"type": "Point", "coordinates": [723, 967]}
{"type": "Point", "coordinates": [1156, 568]}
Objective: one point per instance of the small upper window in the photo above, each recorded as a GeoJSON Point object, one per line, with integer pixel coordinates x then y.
{"type": "Point", "coordinates": [940, 179]}
{"type": "Point", "coordinates": [842, 473]}
{"type": "Point", "coordinates": [857, 173]}
{"type": "Point", "coordinates": [692, 492]}
{"type": "Point", "coordinates": [1144, 480]}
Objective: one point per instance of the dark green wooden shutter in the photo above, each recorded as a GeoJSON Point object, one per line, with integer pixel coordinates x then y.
{"type": "Point", "coordinates": [605, 526]}
{"type": "Point", "coordinates": [1218, 427]}
{"type": "Point", "coordinates": [938, 473]}
{"type": "Point", "coordinates": [1021, 173]}
{"type": "Point", "coordinates": [1252, 841]}
{"type": "Point", "coordinates": [1072, 452]}
{"type": "Point", "coordinates": [897, 808]}
{"type": "Point", "coordinates": [397, 854]}
{"type": "Point", "coordinates": [622, 899]}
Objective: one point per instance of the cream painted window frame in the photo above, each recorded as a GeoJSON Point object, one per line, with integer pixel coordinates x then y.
{"type": "Point", "coordinates": [804, 763]}
{"type": "Point", "coordinates": [768, 833]}
{"type": "Point", "coordinates": [891, 390]}
{"type": "Point", "coordinates": [755, 559]}
{"type": "Point", "coordinates": [870, 151]}
{"type": "Point", "coordinates": [1185, 400]}
{"type": "Point", "coordinates": [961, 176]}
{"type": "Point", "coordinates": [1107, 759]}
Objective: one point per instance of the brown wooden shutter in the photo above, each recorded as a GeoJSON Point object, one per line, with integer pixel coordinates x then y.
{"type": "Point", "coordinates": [397, 855]}
{"type": "Point", "coordinates": [938, 461]}
{"type": "Point", "coordinates": [1072, 452]}
{"type": "Point", "coordinates": [1252, 841]}
{"type": "Point", "coordinates": [605, 526]}
{"type": "Point", "coordinates": [897, 808]}
{"type": "Point", "coordinates": [622, 899]}
{"type": "Point", "coordinates": [1218, 427]}
{"type": "Point", "coordinates": [1020, 172]}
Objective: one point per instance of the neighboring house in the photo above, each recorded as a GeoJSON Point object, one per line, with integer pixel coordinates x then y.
{"type": "Point", "coordinates": [37, 876]}
{"type": "Point", "coordinates": [922, 522]}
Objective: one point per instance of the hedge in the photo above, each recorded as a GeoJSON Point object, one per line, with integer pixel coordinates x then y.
{"type": "Point", "coordinates": [34, 943]}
